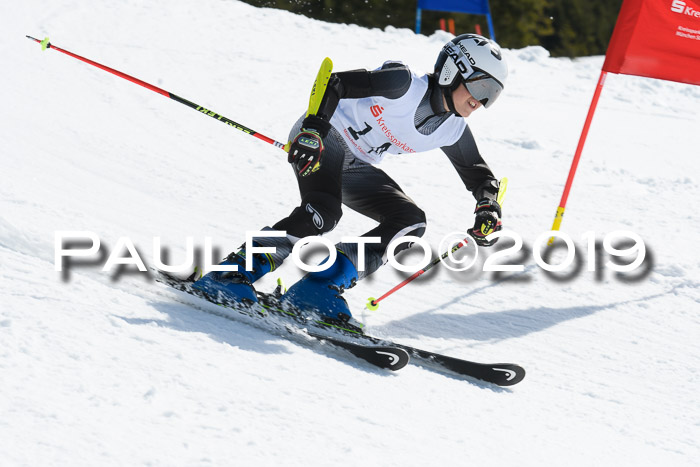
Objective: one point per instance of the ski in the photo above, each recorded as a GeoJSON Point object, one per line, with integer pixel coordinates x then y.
{"type": "Point", "coordinates": [390, 357]}
{"type": "Point", "coordinates": [379, 352]}
{"type": "Point", "coordinates": [384, 356]}
{"type": "Point", "coordinates": [500, 374]}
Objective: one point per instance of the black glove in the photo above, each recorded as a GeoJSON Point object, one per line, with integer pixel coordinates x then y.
{"type": "Point", "coordinates": [306, 149]}
{"type": "Point", "coordinates": [486, 221]}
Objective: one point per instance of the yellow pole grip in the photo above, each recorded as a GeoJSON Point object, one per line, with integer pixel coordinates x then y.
{"type": "Point", "coordinates": [557, 222]}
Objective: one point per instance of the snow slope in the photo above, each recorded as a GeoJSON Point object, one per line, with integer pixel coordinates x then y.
{"type": "Point", "coordinates": [97, 370]}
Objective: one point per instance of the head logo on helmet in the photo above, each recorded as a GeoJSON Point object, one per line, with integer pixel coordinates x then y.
{"type": "Point", "coordinates": [457, 57]}
{"type": "Point", "coordinates": [477, 63]}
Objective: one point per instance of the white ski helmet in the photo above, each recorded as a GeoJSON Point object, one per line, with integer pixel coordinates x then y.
{"type": "Point", "coordinates": [474, 61]}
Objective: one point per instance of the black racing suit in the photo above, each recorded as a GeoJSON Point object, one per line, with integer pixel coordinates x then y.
{"type": "Point", "coordinates": [344, 179]}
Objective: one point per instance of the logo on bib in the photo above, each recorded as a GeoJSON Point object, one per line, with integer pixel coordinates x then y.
{"type": "Point", "coordinates": [376, 110]}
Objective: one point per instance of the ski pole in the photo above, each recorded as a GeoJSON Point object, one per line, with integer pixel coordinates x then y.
{"type": "Point", "coordinates": [373, 303]}
{"type": "Point", "coordinates": [45, 44]}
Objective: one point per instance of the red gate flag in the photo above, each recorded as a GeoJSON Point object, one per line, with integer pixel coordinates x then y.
{"type": "Point", "coordinates": [657, 39]}
{"type": "Point", "coordinates": [652, 38]}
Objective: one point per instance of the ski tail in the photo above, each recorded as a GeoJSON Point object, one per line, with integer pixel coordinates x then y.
{"type": "Point", "coordinates": [320, 85]}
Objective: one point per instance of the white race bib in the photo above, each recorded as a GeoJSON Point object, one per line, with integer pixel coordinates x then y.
{"type": "Point", "coordinates": [373, 126]}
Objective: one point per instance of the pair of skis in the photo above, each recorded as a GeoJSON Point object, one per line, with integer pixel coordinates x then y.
{"type": "Point", "coordinates": [379, 352]}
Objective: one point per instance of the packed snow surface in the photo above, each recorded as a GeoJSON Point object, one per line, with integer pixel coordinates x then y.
{"type": "Point", "coordinates": [105, 369]}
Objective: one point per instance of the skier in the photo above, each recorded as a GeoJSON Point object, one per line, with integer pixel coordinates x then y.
{"type": "Point", "coordinates": [363, 116]}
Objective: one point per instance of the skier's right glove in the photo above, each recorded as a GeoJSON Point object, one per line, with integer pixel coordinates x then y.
{"type": "Point", "coordinates": [306, 148]}
{"type": "Point", "coordinates": [487, 220]}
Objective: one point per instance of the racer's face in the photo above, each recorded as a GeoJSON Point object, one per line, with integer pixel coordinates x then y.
{"type": "Point", "coordinates": [464, 102]}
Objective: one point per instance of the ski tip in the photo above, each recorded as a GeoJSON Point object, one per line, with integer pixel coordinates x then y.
{"type": "Point", "coordinates": [508, 374]}
{"type": "Point", "coordinates": [372, 304]}
{"type": "Point", "coordinates": [391, 358]}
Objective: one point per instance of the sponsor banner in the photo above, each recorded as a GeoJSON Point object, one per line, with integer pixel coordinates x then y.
{"type": "Point", "coordinates": [657, 39]}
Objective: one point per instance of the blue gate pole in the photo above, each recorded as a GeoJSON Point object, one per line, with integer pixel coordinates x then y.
{"type": "Point", "coordinates": [418, 18]}
{"type": "Point", "coordinates": [490, 23]}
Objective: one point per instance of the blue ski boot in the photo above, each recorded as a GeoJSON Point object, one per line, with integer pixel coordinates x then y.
{"type": "Point", "coordinates": [236, 286]}
{"type": "Point", "coordinates": [320, 292]}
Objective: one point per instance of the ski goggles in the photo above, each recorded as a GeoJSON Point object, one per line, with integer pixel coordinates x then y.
{"type": "Point", "coordinates": [484, 88]}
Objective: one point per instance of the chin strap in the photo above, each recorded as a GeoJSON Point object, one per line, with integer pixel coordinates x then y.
{"type": "Point", "coordinates": [447, 92]}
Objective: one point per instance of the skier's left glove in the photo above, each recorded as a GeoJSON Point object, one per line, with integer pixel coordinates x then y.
{"type": "Point", "coordinates": [487, 221]}
{"type": "Point", "coordinates": [306, 149]}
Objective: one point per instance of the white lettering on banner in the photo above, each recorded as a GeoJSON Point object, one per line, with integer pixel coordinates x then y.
{"type": "Point", "coordinates": [687, 36]}
{"type": "Point", "coordinates": [688, 30]}
{"type": "Point", "coordinates": [679, 6]}
{"type": "Point", "coordinates": [688, 33]}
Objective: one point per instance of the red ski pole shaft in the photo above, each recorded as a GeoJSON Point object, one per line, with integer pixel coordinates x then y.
{"type": "Point", "coordinates": [45, 44]}
{"type": "Point", "coordinates": [373, 303]}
